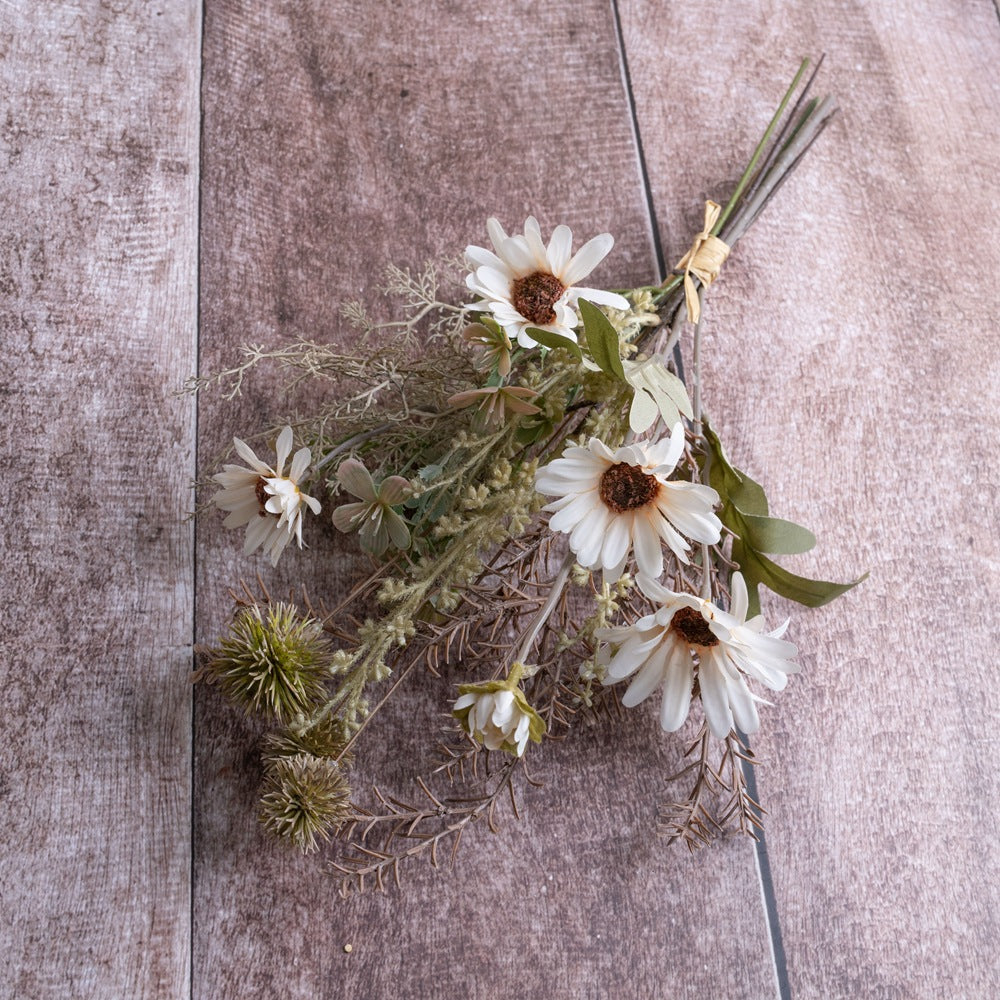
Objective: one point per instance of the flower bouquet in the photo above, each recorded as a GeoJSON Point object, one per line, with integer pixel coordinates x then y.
{"type": "Point", "coordinates": [554, 529]}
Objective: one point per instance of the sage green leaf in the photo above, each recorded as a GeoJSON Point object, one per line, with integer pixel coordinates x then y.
{"type": "Point", "coordinates": [602, 339]}
{"type": "Point", "coordinates": [744, 511]}
{"type": "Point", "coordinates": [554, 342]}
{"type": "Point", "coordinates": [758, 569]}
{"type": "Point", "coordinates": [749, 496]}
{"type": "Point", "coordinates": [729, 482]}
{"type": "Point", "coordinates": [532, 429]}
{"type": "Point", "coordinates": [777, 536]}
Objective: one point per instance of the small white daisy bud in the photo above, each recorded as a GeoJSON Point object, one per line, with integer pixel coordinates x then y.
{"type": "Point", "coordinates": [497, 714]}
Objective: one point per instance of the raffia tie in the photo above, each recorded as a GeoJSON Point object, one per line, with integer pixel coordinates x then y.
{"type": "Point", "coordinates": [704, 261]}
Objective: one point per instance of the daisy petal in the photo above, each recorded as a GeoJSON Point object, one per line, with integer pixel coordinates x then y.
{"type": "Point", "coordinates": [601, 298]}
{"type": "Point", "coordinates": [481, 257]}
{"type": "Point", "coordinates": [518, 257]}
{"type": "Point", "coordinates": [587, 258]}
{"type": "Point", "coordinates": [648, 554]}
{"type": "Point", "coordinates": [283, 448]}
{"type": "Point", "coordinates": [533, 237]}
{"type": "Point", "coordinates": [677, 683]}
{"type": "Point", "coordinates": [714, 697]}
{"type": "Point", "coordinates": [247, 454]}
{"type": "Point", "coordinates": [496, 233]}
{"type": "Point", "coordinates": [648, 679]}
{"type": "Point", "coordinates": [300, 462]}
{"type": "Point", "coordinates": [560, 248]}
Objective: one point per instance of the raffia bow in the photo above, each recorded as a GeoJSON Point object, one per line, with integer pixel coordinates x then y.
{"type": "Point", "coordinates": [704, 260]}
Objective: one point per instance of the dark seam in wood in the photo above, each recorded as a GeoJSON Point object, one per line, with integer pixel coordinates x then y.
{"type": "Point", "coordinates": [654, 225]}
{"type": "Point", "coordinates": [767, 887]}
{"type": "Point", "coordinates": [644, 173]}
{"type": "Point", "coordinates": [195, 454]}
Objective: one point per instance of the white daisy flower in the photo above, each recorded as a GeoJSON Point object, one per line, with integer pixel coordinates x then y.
{"type": "Point", "coordinates": [611, 501]}
{"type": "Point", "coordinates": [264, 498]}
{"type": "Point", "coordinates": [526, 284]}
{"type": "Point", "coordinates": [689, 639]}
{"type": "Point", "coordinates": [498, 715]}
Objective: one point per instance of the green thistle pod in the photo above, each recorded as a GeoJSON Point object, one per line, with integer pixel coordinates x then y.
{"type": "Point", "coordinates": [326, 739]}
{"type": "Point", "coordinates": [273, 662]}
{"type": "Point", "coordinates": [305, 798]}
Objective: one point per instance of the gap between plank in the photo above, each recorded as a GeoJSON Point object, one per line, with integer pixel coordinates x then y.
{"type": "Point", "coordinates": [654, 225]}
{"type": "Point", "coordinates": [763, 862]}
{"type": "Point", "coordinates": [200, 20]}
{"type": "Point", "coordinates": [761, 858]}
{"type": "Point", "coordinates": [637, 138]}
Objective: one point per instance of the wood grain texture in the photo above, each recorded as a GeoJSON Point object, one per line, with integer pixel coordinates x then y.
{"type": "Point", "coordinates": [852, 366]}
{"type": "Point", "coordinates": [339, 138]}
{"type": "Point", "coordinates": [98, 275]}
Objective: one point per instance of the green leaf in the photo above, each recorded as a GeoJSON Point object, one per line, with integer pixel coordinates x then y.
{"type": "Point", "coordinates": [729, 482]}
{"type": "Point", "coordinates": [758, 569]}
{"type": "Point", "coordinates": [777, 536]}
{"type": "Point", "coordinates": [602, 340]}
{"type": "Point", "coordinates": [744, 511]}
{"type": "Point", "coordinates": [554, 342]}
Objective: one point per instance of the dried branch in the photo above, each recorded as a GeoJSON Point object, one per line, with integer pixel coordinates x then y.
{"type": "Point", "coordinates": [363, 867]}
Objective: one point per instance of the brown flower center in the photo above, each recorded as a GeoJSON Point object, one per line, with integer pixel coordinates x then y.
{"type": "Point", "coordinates": [262, 495]}
{"type": "Point", "coordinates": [692, 627]}
{"type": "Point", "coordinates": [535, 295]}
{"type": "Point", "coordinates": [625, 487]}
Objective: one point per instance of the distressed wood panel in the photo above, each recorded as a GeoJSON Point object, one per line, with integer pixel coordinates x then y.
{"type": "Point", "coordinates": [98, 275]}
{"type": "Point", "coordinates": [852, 365]}
{"type": "Point", "coordinates": [339, 137]}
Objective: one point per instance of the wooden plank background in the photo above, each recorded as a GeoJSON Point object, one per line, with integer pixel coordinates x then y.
{"type": "Point", "coordinates": [98, 308]}
{"type": "Point", "coordinates": [852, 353]}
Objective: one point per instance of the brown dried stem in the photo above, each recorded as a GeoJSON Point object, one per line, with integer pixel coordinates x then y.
{"type": "Point", "coordinates": [363, 867]}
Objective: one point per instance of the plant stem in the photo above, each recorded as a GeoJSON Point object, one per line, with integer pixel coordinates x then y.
{"type": "Point", "coordinates": [353, 441]}
{"type": "Point", "coordinates": [745, 179]}
{"type": "Point", "coordinates": [542, 615]}
{"type": "Point", "coordinates": [706, 573]}
{"type": "Point", "coordinates": [670, 284]}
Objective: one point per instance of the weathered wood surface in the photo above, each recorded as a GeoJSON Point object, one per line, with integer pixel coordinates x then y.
{"type": "Point", "coordinates": [334, 143]}
{"type": "Point", "coordinates": [852, 357]}
{"type": "Point", "coordinates": [98, 285]}
{"type": "Point", "coordinates": [851, 354]}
